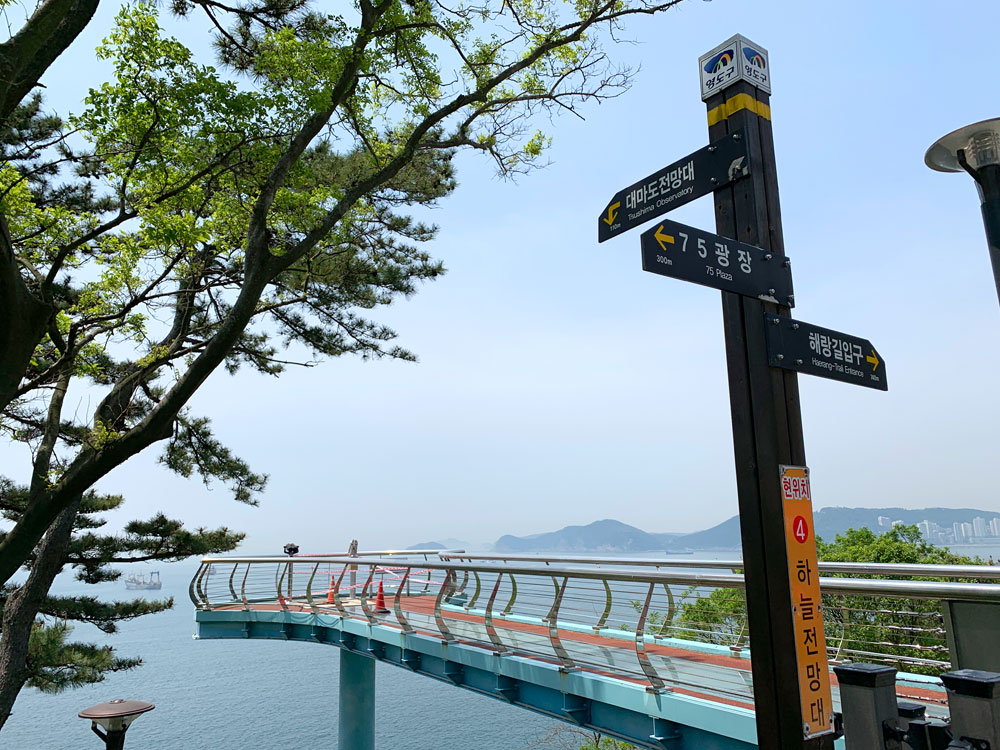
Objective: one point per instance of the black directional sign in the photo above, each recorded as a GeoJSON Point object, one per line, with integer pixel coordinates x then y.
{"type": "Point", "coordinates": [693, 176]}
{"type": "Point", "coordinates": [795, 345]}
{"type": "Point", "coordinates": [683, 252]}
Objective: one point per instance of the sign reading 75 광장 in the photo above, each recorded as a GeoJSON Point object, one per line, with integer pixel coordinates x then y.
{"type": "Point", "coordinates": [683, 252]}
{"type": "Point", "coordinates": [695, 175]}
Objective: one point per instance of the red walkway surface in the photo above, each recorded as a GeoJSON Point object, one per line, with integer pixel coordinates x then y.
{"type": "Point", "coordinates": [713, 677]}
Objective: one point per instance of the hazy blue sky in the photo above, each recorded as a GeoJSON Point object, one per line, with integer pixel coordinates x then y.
{"type": "Point", "coordinates": [559, 384]}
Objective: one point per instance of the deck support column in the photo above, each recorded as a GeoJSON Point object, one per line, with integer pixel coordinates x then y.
{"type": "Point", "coordinates": [357, 702]}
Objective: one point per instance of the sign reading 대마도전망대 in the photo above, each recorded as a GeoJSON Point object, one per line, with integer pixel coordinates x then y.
{"type": "Point", "coordinates": [697, 174]}
{"type": "Point", "coordinates": [807, 614]}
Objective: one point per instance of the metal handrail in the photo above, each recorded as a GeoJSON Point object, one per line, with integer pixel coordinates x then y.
{"type": "Point", "coordinates": [870, 618]}
{"type": "Point", "coordinates": [983, 572]}
{"type": "Point", "coordinates": [382, 553]}
{"type": "Point", "coordinates": [949, 590]}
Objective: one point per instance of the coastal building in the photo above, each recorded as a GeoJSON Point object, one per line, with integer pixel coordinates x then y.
{"type": "Point", "coordinates": [995, 526]}
{"type": "Point", "coordinates": [979, 526]}
{"type": "Point", "coordinates": [884, 522]}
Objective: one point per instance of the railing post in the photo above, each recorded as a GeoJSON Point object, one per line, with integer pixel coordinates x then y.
{"type": "Point", "coordinates": [868, 703]}
{"type": "Point", "coordinates": [974, 700]}
{"type": "Point", "coordinates": [970, 628]}
{"type": "Point", "coordinates": [357, 702]}
{"type": "Point", "coordinates": [352, 551]}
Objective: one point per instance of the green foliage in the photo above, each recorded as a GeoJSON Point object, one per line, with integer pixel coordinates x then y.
{"type": "Point", "coordinates": [568, 737]}
{"type": "Point", "coordinates": [55, 665]}
{"type": "Point", "coordinates": [247, 213]}
{"type": "Point", "coordinates": [603, 742]}
{"type": "Point", "coordinates": [900, 544]}
{"type": "Point", "coordinates": [862, 628]}
{"type": "Point", "coordinates": [719, 617]}
{"type": "Point", "coordinates": [216, 214]}
{"type": "Point", "coordinates": [869, 628]}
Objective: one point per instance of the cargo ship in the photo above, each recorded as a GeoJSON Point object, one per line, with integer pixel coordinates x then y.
{"type": "Point", "coordinates": [142, 582]}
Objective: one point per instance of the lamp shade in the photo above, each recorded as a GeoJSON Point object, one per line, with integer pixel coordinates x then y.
{"type": "Point", "coordinates": [116, 714]}
{"type": "Point", "coordinates": [981, 142]}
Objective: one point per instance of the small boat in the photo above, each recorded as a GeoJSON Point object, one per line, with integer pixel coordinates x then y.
{"type": "Point", "coordinates": [142, 582]}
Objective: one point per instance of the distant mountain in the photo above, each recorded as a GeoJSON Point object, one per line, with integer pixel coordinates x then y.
{"type": "Point", "coordinates": [448, 544]}
{"type": "Point", "coordinates": [615, 536]}
{"type": "Point", "coordinates": [600, 536]}
{"type": "Point", "coordinates": [830, 522]}
{"type": "Point", "coordinates": [725, 535]}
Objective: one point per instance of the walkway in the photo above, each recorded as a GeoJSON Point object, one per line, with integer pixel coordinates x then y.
{"type": "Point", "coordinates": [582, 644]}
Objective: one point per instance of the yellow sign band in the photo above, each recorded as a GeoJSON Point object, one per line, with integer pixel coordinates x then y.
{"type": "Point", "coordinates": [734, 105]}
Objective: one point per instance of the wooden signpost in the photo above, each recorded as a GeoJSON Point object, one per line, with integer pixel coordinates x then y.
{"type": "Point", "coordinates": [765, 349]}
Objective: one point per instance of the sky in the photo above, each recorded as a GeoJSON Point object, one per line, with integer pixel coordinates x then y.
{"type": "Point", "coordinates": [560, 384]}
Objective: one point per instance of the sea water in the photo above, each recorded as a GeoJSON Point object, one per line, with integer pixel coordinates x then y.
{"type": "Point", "coordinates": [264, 695]}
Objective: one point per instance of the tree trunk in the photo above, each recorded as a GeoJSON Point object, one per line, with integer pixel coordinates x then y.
{"type": "Point", "coordinates": [24, 57]}
{"type": "Point", "coordinates": [22, 605]}
{"type": "Point", "coordinates": [24, 317]}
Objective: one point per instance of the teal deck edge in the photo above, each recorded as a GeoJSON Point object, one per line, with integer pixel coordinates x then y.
{"type": "Point", "coordinates": [661, 721]}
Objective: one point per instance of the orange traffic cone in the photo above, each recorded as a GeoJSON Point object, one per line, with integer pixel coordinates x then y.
{"type": "Point", "coordinates": [329, 594]}
{"type": "Point", "coordinates": [380, 608]}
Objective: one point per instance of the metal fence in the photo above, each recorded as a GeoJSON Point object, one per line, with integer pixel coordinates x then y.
{"type": "Point", "coordinates": [634, 618]}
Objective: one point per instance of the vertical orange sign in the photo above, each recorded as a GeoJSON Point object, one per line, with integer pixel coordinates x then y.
{"type": "Point", "coordinates": [807, 615]}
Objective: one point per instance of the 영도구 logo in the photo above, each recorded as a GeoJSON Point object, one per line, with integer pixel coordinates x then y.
{"type": "Point", "coordinates": [719, 61]}
{"type": "Point", "coordinates": [754, 57]}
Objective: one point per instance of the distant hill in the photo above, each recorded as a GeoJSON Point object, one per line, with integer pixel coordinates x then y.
{"type": "Point", "coordinates": [601, 536]}
{"type": "Point", "coordinates": [725, 535]}
{"type": "Point", "coordinates": [832, 521]}
{"type": "Point", "coordinates": [447, 544]}
{"type": "Point", "coordinates": [614, 536]}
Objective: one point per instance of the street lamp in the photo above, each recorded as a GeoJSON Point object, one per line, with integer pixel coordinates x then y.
{"type": "Point", "coordinates": [976, 149]}
{"type": "Point", "coordinates": [115, 716]}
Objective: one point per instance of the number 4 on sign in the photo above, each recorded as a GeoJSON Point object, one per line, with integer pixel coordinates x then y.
{"type": "Point", "coordinates": [800, 529]}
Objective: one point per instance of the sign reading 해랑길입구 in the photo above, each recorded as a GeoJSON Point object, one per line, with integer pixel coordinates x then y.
{"type": "Point", "coordinates": [807, 615]}
{"type": "Point", "coordinates": [794, 345]}
{"type": "Point", "coordinates": [737, 59]}
{"type": "Point", "coordinates": [683, 252]}
{"type": "Point", "coordinates": [695, 175]}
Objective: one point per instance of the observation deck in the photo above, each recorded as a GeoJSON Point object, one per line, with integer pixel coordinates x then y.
{"type": "Point", "coordinates": [650, 651]}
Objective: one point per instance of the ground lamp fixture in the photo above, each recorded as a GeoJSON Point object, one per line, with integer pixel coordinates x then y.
{"type": "Point", "coordinates": [115, 717]}
{"type": "Point", "coordinates": [976, 149]}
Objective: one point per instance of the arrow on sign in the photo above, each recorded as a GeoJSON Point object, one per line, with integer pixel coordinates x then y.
{"type": "Point", "coordinates": [612, 213]}
{"type": "Point", "coordinates": [663, 238]}
{"type": "Point", "coordinates": [872, 359]}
